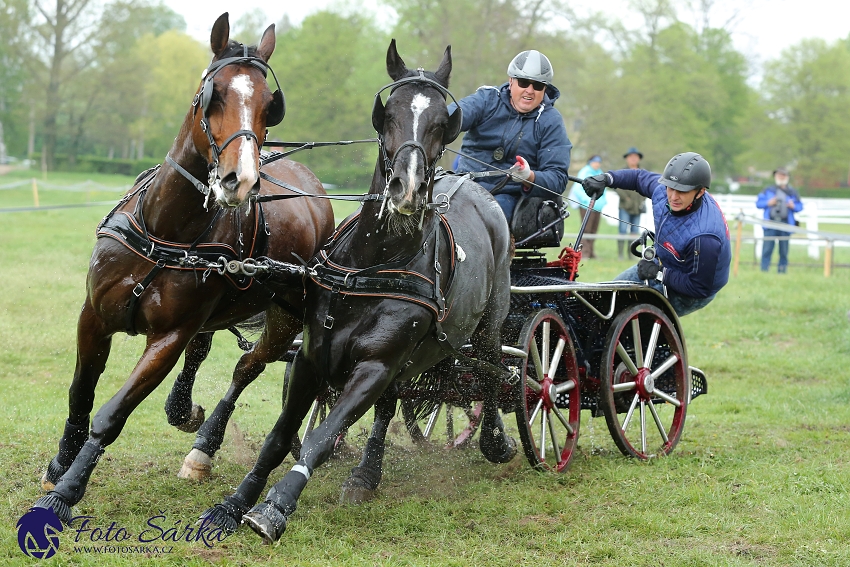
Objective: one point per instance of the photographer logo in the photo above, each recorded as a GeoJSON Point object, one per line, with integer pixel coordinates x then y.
{"type": "Point", "coordinates": [38, 533]}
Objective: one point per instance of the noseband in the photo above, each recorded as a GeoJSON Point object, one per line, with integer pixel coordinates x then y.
{"type": "Point", "coordinates": [202, 99]}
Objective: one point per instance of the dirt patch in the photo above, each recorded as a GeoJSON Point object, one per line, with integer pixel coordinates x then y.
{"type": "Point", "coordinates": [4, 169]}
{"type": "Point", "coordinates": [244, 450]}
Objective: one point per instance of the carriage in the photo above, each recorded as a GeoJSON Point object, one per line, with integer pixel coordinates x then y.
{"type": "Point", "coordinates": [615, 349]}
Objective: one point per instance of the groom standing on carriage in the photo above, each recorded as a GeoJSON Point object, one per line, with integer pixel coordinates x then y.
{"type": "Point", "coordinates": [516, 123]}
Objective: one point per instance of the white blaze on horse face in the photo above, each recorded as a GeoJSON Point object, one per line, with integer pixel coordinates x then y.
{"type": "Point", "coordinates": [418, 105]}
{"type": "Point", "coordinates": [246, 171]}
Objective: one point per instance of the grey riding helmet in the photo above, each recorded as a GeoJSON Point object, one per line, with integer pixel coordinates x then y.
{"type": "Point", "coordinates": [686, 172]}
{"type": "Point", "coordinates": [531, 65]}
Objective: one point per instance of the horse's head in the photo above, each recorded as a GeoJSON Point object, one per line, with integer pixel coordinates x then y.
{"type": "Point", "coordinates": [233, 107]}
{"type": "Point", "coordinates": [414, 128]}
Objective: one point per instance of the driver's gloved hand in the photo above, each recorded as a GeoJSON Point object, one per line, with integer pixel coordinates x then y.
{"type": "Point", "coordinates": [647, 270]}
{"type": "Point", "coordinates": [595, 185]}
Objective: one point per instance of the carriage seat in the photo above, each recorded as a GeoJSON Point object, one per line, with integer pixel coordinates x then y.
{"type": "Point", "coordinates": [538, 222]}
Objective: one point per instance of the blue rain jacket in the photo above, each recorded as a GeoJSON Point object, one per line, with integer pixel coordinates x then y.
{"type": "Point", "coordinates": [539, 136]}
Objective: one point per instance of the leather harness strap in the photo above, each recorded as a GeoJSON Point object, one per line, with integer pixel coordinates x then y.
{"type": "Point", "coordinates": [393, 280]}
{"type": "Point", "coordinates": [131, 231]}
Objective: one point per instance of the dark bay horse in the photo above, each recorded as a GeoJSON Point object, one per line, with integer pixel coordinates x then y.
{"type": "Point", "coordinates": [158, 266]}
{"type": "Point", "coordinates": [402, 285]}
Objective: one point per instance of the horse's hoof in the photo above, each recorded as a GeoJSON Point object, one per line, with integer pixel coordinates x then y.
{"type": "Point", "coordinates": [219, 516]}
{"type": "Point", "coordinates": [267, 521]}
{"type": "Point", "coordinates": [58, 504]}
{"type": "Point", "coordinates": [355, 494]}
{"type": "Point", "coordinates": [52, 475]}
{"type": "Point", "coordinates": [196, 466]}
{"type": "Point", "coordinates": [46, 485]}
{"type": "Point", "coordinates": [196, 419]}
{"type": "Point", "coordinates": [361, 486]}
{"type": "Point", "coordinates": [505, 457]}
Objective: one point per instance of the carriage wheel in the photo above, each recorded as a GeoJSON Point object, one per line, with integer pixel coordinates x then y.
{"type": "Point", "coordinates": [549, 395]}
{"type": "Point", "coordinates": [644, 382]}
{"type": "Point", "coordinates": [460, 423]}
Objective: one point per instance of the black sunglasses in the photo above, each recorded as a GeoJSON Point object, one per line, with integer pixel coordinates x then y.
{"type": "Point", "coordinates": [523, 84]}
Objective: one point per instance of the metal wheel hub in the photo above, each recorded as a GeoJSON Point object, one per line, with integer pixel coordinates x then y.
{"type": "Point", "coordinates": [548, 393]}
{"type": "Point", "coordinates": [645, 384]}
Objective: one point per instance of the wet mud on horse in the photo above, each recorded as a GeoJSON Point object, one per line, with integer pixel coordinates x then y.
{"type": "Point", "coordinates": [403, 283]}
{"type": "Point", "coordinates": [152, 271]}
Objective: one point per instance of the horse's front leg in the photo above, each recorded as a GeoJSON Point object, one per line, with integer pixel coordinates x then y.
{"type": "Point", "coordinates": [367, 382]}
{"type": "Point", "coordinates": [280, 329]}
{"type": "Point", "coordinates": [181, 412]}
{"type": "Point", "coordinates": [161, 354]}
{"type": "Point", "coordinates": [364, 479]}
{"type": "Point", "coordinates": [93, 346]}
{"type": "Point", "coordinates": [297, 399]}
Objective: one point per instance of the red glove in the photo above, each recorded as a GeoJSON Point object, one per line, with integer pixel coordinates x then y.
{"type": "Point", "coordinates": [520, 170]}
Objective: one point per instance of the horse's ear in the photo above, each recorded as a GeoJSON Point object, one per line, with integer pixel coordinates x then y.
{"type": "Point", "coordinates": [220, 35]}
{"type": "Point", "coordinates": [445, 68]}
{"type": "Point", "coordinates": [395, 64]}
{"type": "Point", "coordinates": [267, 43]}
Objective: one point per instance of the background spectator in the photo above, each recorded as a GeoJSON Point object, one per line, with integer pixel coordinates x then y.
{"type": "Point", "coordinates": [632, 204]}
{"type": "Point", "coordinates": [780, 201]}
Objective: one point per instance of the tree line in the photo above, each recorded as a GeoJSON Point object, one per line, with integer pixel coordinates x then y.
{"type": "Point", "coordinates": [85, 83]}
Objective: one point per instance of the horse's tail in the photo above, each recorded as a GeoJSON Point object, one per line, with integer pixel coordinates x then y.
{"type": "Point", "coordinates": [251, 326]}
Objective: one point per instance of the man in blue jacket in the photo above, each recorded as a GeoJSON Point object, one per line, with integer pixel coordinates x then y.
{"type": "Point", "coordinates": [691, 235]}
{"type": "Point", "coordinates": [779, 201]}
{"type": "Point", "coordinates": [517, 125]}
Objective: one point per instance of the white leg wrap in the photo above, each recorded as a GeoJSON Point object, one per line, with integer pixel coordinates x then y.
{"type": "Point", "coordinates": [303, 470]}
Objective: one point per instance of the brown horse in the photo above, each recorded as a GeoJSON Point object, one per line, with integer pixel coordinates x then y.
{"type": "Point", "coordinates": [159, 267]}
{"type": "Point", "coordinates": [401, 286]}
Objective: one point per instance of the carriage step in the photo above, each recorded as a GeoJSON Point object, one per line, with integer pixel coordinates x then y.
{"type": "Point", "coordinates": [699, 383]}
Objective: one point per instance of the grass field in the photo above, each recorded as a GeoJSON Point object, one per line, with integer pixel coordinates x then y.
{"type": "Point", "coordinates": [760, 477]}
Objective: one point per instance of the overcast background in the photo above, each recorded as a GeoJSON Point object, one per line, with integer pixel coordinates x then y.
{"type": "Point", "coordinates": [761, 28]}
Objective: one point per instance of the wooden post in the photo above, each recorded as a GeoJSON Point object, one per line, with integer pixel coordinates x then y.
{"type": "Point", "coordinates": [738, 235]}
{"type": "Point", "coordinates": [827, 259]}
{"type": "Point", "coordinates": [35, 191]}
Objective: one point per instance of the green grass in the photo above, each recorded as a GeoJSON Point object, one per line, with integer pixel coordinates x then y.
{"type": "Point", "coordinates": [760, 477]}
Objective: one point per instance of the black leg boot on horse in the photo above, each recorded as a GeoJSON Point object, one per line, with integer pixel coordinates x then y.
{"type": "Point", "coordinates": [157, 270]}
{"type": "Point", "coordinates": [181, 412]}
{"type": "Point", "coordinates": [298, 398]}
{"type": "Point", "coordinates": [365, 477]}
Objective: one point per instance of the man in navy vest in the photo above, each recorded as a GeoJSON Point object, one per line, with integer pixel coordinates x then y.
{"type": "Point", "coordinates": [692, 239]}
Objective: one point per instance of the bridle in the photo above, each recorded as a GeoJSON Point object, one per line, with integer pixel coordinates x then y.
{"type": "Point", "coordinates": [202, 100]}
{"type": "Point", "coordinates": [378, 124]}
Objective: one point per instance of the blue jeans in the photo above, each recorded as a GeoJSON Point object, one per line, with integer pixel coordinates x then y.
{"type": "Point", "coordinates": [767, 250]}
{"type": "Point", "coordinates": [626, 217]}
{"type": "Point", "coordinates": [682, 304]}
{"type": "Point", "coordinates": [507, 202]}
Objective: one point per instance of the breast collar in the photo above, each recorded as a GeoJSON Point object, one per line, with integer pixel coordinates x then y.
{"type": "Point", "coordinates": [131, 231]}
{"type": "Point", "coordinates": [393, 280]}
